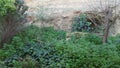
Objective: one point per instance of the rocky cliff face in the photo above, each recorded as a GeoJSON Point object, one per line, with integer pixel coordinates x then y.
{"type": "Point", "coordinates": [63, 11]}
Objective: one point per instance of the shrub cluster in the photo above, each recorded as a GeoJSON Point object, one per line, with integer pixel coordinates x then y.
{"type": "Point", "coordinates": [48, 48]}
{"type": "Point", "coordinates": [33, 43]}
{"type": "Point", "coordinates": [81, 24]}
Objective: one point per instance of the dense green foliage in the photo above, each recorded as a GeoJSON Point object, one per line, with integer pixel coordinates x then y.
{"type": "Point", "coordinates": [81, 24]}
{"type": "Point", "coordinates": [48, 48]}
{"type": "Point", "coordinates": [34, 42]}
{"type": "Point", "coordinates": [6, 6]}
{"type": "Point", "coordinates": [89, 53]}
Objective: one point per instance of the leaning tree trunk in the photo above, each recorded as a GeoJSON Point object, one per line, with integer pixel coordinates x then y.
{"type": "Point", "coordinates": [108, 15]}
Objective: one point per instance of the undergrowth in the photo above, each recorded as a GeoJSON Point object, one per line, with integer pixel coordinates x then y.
{"type": "Point", "coordinates": [48, 48]}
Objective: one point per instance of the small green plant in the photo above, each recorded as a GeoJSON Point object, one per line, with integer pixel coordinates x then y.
{"type": "Point", "coordinates": [81, 24]}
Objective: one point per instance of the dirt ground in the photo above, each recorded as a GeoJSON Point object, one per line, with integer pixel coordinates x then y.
{"type": "Point", "coordinates": [63, 11]}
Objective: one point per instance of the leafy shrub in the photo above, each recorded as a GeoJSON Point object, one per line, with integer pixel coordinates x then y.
{"type": "Point", "coordinates": [93, 39]}
{"type": "Point", "coordinates": [28, 35]}
{"type": "Point", "coordinates": [6, 5]}
{"type": "Point", "coordinates": [49, 34]}
{"type": "Point", "coordinates": [44, 55]}
{"type": "Point", "coordinates": [88, 54]}
{"type": "Point", "coordinates": [81, 24]}
{"type": "Point", "coordinates": [11, 48]}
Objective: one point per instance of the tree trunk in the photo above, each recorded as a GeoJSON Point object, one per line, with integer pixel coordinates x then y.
{"type": "Point", "coordinates": [108, 15]}
{"type": "Point", "coordinates": [0, 46]}
{"type": "Point", "coordinates": [106, 32]}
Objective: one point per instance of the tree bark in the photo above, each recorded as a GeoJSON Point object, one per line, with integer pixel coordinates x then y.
{"type": "Point", "coordinates": [0, 47]}
{"type": "Point", "coordinates": [106, 32]}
